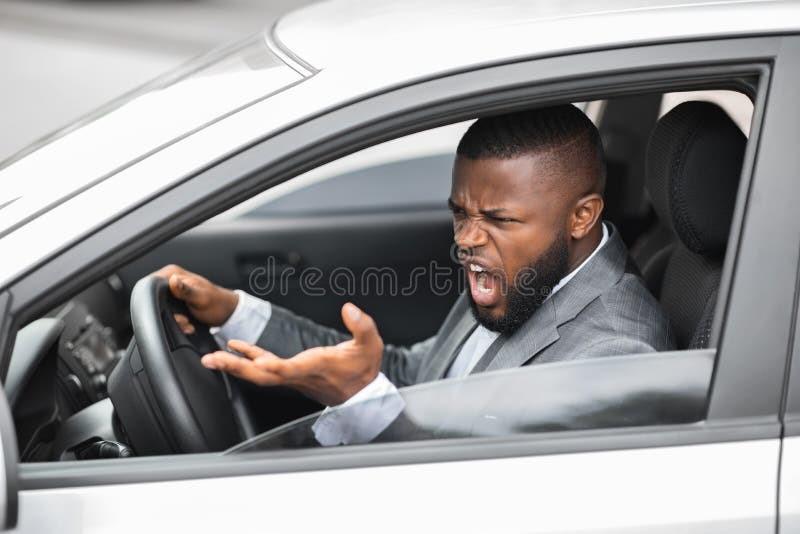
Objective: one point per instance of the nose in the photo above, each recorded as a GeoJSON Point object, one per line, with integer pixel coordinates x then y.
{"type": "Point", "coordinates": [469, 235]}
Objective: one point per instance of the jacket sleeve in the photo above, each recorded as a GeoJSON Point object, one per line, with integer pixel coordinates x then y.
{"type": "Point", "coordinates": [401, 364]}
{"type": "Point", "coordinates": [287, 334]}
{"type": "Point", "coordinates": [615, 347]}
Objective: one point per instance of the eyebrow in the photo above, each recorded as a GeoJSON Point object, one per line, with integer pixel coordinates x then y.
{"type": "Point", "coordinates": [491, 212]}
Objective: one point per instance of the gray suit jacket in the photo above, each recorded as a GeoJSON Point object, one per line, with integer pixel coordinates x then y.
{"type": "Point", "coordinates": [604, 310]}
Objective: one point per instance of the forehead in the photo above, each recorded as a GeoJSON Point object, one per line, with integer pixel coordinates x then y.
{"type": "Point", "coordinates": [504, 181]}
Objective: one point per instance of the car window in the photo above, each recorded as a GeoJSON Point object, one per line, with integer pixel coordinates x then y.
{"type": "Point", "coordinates": [639, 353]}
{"type": "Point", "coordinates": [639, 389]}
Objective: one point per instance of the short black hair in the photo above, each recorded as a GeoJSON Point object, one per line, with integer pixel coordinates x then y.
{"type": "Point", "coordinates": [548, 129]}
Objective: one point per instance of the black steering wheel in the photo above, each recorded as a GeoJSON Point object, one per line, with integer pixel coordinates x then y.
{"type": "Point", "coordinates": [195, 409]}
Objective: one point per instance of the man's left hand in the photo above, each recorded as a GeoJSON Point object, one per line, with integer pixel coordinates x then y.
{"type": "Point", "coordinates": [329, 375]}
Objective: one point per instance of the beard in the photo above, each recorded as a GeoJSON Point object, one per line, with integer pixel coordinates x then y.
{"type": "Point", "coordinates": [532, 285]}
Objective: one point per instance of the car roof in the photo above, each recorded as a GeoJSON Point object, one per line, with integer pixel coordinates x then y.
{"type": "Point", "coordinates": [376, 32]}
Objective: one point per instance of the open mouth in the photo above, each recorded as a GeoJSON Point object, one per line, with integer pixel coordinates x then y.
{"type": "Point", "coordinates": [484, 284]}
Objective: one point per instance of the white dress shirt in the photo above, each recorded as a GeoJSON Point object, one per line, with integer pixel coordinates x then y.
{"type": "Point", "coordinates": [356, 420]}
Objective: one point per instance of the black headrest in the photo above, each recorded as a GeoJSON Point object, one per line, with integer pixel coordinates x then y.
{"type": "Point", "coordinates": [694, 160]}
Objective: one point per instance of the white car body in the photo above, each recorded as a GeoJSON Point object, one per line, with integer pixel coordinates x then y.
{"type": "Point", "coordinates": [339, 53]}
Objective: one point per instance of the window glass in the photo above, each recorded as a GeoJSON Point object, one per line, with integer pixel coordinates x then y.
{"type": "Point", "coordinates": [602, 393]}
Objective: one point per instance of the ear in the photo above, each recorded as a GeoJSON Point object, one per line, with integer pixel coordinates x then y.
{"type": "Point", "coordinates": [586, 215]}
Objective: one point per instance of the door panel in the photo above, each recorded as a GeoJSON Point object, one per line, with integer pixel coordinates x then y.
{"type": "Point", "coordinates": [408, 301]}
{"type": "Point", "coordinates": [725, 488]}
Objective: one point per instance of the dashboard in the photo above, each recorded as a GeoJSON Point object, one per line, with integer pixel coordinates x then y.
{"type": "Point", "coordinates": [58, 376]}
{"type": "Point", "coordinates": [56, 382]}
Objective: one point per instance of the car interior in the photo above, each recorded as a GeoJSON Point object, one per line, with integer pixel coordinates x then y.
{"type": "Point", "coordinates": [78, 382]}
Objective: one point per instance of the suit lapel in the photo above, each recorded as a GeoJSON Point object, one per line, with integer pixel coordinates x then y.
{"type": "Point", "coordinates": [443, 355]}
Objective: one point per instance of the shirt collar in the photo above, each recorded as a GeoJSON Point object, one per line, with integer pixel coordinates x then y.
{"type": "Point", "coordinates": [561, 283]}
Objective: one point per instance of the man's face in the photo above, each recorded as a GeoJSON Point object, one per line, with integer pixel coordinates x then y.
{"type": "Point", "coordinates": [510, 224]}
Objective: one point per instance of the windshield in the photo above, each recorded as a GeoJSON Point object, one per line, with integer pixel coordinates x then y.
{"type": "Point", "coordinates": [137, 125]}
{"type": "Point", "coordinates": [616, 391]}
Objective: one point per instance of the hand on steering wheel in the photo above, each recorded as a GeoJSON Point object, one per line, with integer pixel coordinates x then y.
{"type": "Point", "coordinates": [207, 302]}
{"type": "Point", "coordinates": [199, 410]}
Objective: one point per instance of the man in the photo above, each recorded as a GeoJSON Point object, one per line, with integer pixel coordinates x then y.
{"type": "Point", "coordinates": [548, 281]}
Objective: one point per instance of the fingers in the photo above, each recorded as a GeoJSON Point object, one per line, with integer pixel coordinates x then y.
{"type": "Point", "coordinates": [246, 349]}
{"type": "Point", "coordinates": [287, 369]}
{"type": "Point", "coordinates": [183, 284]}
{"type": "Point", "coordinates": [258, 365]}
{"type": "Point", "coordinates": [184, 287]}
{"type": "Point", "coordinates": [240, 367]}
{"type": "Point", "coordinates": [184, 324]}
{"type": "Point", "coordinates": [360, 325]}
{"type": "Point", "coordinates": [168, 270]}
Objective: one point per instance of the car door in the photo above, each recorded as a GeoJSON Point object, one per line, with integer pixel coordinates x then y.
{"type": "Point", "coordinates": [715, 474]}
{"type": "Point", "coordinates": [789, 502]}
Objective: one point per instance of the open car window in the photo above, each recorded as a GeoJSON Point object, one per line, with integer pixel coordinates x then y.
{"type": "Point", "coordinates": [619, 391]}
{"type": "Point", "coordinates": [366, 230]}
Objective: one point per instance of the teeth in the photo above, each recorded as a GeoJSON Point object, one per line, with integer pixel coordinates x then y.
{"type": "Point", "coordinates": [476, 268]}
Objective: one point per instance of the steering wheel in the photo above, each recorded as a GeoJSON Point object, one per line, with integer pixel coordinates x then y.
{"type": "Point", "coordinates": [200, 410]}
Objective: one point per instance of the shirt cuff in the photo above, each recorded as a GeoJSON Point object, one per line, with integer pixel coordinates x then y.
{"type": "Point", "coordinates": [247, 321]}
{"type": "Point", "coordinates": [362, 417]}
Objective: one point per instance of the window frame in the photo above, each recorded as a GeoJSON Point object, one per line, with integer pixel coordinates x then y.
{"type": "Point", "coordinates": [426, 104]}
{"type": "Point", "coordinates": [790, 414]}
{"type": "Point", "coordinates": [790, 166]}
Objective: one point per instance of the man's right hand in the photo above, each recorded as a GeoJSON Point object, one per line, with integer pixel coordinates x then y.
{"type": "Point", "coordinates": [208, 302]}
